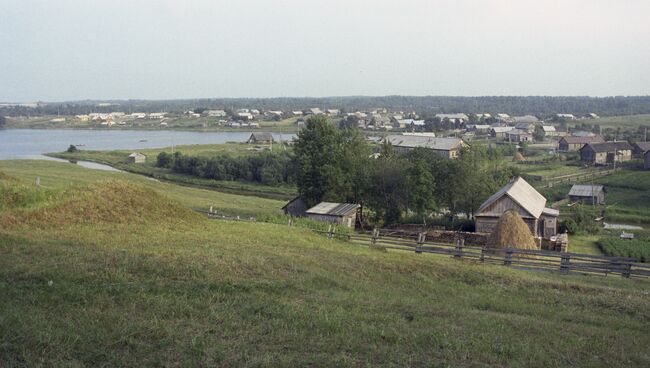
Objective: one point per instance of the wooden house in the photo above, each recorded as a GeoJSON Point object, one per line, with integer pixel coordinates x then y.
{"type": "Point", "coordinates": [640, 148]}
{"type": "Point", "coordinates": [136, 158]}
{"type": "Point", "coordinates": [605, 153]}
{"type": "Point", "coordinates": [260, 138]}
{"type": "Point", "coordinates": [445, 147]}
{"type": "Point", "coordinates": [295, 207]}
{"type": "Point", "coordinates": [646, 160]}
{"type": "Point", "coordinates": [575, 143]}
{"type": "Point", "coordinates": [517, 135]}
{"type": "Point", "coordinates": [338, 213]}
{"type": "Point", "coordinates": [499, 132]}
{"type": "Point", "coordinates": [587, 194]}
{"type": "Point", "coordinates": [520, 196]}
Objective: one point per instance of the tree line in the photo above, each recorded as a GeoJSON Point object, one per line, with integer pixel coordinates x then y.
{"type": "Point", "coordinates": [266, 168]}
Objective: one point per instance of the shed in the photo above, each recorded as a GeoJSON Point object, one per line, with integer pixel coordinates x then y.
{"type": "Point", "coordinates": [606, 153]}
{"type": "Point", "coordinates": [339, 213]}
{"type": "Point", "coordinates": [260, 138]}
{"type": "Point", "coordinates": [517, 135]}
{"type": "Point", "coordinates": [295, 207]}
{"type": "Point", "coordinates": [446, 147]}
{"type": "Point", "coordinates": [587, 194]}
{"type": "Point", "coordinates": [521, 197]}
{"type": "Point", "coordinates": [137, 158]}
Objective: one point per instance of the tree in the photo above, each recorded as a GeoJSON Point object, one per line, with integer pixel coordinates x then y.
{"type": "Point", "coordinates": [421, 186]}
{"type": "Point", "coordinates": [72, 148]}
{"type": "Point", "coordinates": [164, 159]}
{"type": "Point", "coordinates": [539, 134]}
{"type": "Point", "coordinates": [387, 194]}
{"type": "Point", "coordinates": [317, 154]}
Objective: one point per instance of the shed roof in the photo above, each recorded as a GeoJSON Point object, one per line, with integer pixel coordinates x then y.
{"type": "Point", "coordinates": [522, 193]}
{"type": "Point", "coordinates": [261, 136]}
{"type": "Point", "coordinates": [410, 141]}
{"type": "Point", "coordinates": [583, 139]}
{"type": "Point", "coordinates": [548, 128]}
{"type": "Point", "coordinates": [579, 190]}
{"type": "Point", "coordinates": [609, 146]}
{"type": "Point", "coordinates": [136, 154]}
{"type": "Point", "coordinates": [333, 209]}
{"type": "Point", "coordinates": [643, 146]}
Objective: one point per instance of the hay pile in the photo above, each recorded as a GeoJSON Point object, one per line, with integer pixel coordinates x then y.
{"type": "Point", "coordinates": [518, 157]}
{"type": "Point", "coordinates": [511, 232]}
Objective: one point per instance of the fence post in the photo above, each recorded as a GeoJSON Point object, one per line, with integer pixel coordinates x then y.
{"type": "Point", "coordinates": [508, 259]}
{"type": "Point", "coordinates": [459, 248]}
{"type": "Point", "coordinates": [329, 231]}
{"type": "Point", "coordinates": [373, 239]}
{"type": "Point", "coordinates": [418, 246]}
{"type": "Point", "coordinates": [482, 258]}
{"type": "Point", "coordinates": [565, 262]}
{"type": "Point", "coordinates": [627, 270]}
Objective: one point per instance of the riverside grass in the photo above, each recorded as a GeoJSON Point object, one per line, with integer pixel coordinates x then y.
{"type": "Point", "coordinates": [180, 290]}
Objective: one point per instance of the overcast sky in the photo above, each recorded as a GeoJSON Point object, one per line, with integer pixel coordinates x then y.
{"type": "Point", "coordinates": [164, 49]}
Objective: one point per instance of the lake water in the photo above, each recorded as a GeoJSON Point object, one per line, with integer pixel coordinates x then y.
{"type": "Point", "coordinates": [33, 143]}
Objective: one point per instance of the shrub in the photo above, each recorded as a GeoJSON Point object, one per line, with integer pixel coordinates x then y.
{"type": "Point", "coordinates": [72, 148]}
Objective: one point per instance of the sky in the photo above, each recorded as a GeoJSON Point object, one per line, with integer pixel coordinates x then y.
{"type": "Point", "coordinates": [143, 49]}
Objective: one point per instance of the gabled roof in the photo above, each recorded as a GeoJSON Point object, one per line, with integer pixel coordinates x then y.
{"type": "Point", "coordinates": [608, 146]}
{"type": "Point", "coordinates": [498, 129]}
{"type": "Point", "coordinates": [410, 141]}
{"type": "Point", "coordinates": [136, 154]}
{"type": "Point", "coordinates": [548, 128]}
{"type": "Point", "coordinates": [261, 136]}
{"type": "Point", "coordinates": [333, 209]}
{"type": "Point", "coordinates": [522, 193]}
{"type": "Point", "coordinates": [295, 199]}
{"type": "Point", "coordinates": [583, 139]}
{"type": "Point", "coordinates": [643, 146]}
{"type": "Point", "coordinates": [579, 190]}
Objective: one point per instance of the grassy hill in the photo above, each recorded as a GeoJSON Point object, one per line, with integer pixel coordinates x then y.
{"type": "Point", "coordinates": [132, 278]}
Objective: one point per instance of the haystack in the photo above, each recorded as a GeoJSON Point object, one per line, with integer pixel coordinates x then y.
{"type": "Point", "coordinates": [512, 232]}
{"type": "Point", "coordinates": [518, 157]}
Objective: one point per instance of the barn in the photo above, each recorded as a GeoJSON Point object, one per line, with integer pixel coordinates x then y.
{"type": "Point", "coordinates": [574, 143]}
{"type": "Point", "coordinates": [521, 197]}
{"type": "Point", "coordinates": [137, 158]}
{"type": "Point", "coordinates": [587, 194]}
{"type": "Point", "coordinates": [260, 138]}
{"type": "Point", "coordinates": [295, 207]}
{"type": "Point", "coordinates": [339, 213]}
{"type": "Point", "coordinates": [606, 153]}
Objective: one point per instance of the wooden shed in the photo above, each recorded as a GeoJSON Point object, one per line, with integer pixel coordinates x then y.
{"type": "Point", "coordinates": [606, 153]}
{"type": "Point", "coordinates": [521, 197]}
{"type": "Point", "coordinates": [137, 158]}
{"type": "Point", "coordinates": [587, 194]}
{"type": "Point", "coordinates": [295, 207]}
{"type": "Point", "coordinates": [260, 138]}
{"type": "Point", "coordinates": [339, 213]}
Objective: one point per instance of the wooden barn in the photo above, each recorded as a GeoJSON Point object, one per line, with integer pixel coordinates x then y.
{"type": "Point", "coordinates": [520, 196]}
{"type": "Point", "coordinates": [265, 138]}
{"type": "Point", "coordinates": [137, 158]}
{"type": "Point", "coordinates": [296, 207]}
{"type": "Point", "coordinates": [606, 153]}
{"type": "Point", "coordinates": [587, 194]}
{"type": "Point", "coordinates": [339, 213]}
{"type": "Point", "coordinates": [569, 144]}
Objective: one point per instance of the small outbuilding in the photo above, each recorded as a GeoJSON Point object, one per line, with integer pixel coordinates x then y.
{"type": "Point", "coordinates": [587, 194]}
{"type": "Point", "coordinates": [137, 158]}
{"type": "Point", "coordinates": [295, 207]}
{"type": "Point", "coordinates": [606, 153]}
{"type": "Point", "coordinates": [339, 213]}
{"type": "Point", "coordinates": [260, 138]}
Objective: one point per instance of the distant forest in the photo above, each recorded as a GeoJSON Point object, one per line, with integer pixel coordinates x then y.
{"type": "Point", "coordinates": [424, 105]}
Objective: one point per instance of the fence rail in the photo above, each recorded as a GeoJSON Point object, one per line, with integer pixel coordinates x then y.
{"type": "Point", "coordinates": [518, 258]}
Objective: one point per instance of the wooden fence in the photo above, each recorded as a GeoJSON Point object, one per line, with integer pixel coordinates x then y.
{"type": "Point", "coordinates": [519, 258]}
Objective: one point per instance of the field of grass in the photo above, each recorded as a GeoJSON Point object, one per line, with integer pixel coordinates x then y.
{"type": "Point", "coordinates": [118, 159]}
{"type": "Point", "coordinates": [58, 175]}
{"type": "Point", "coordinates": [625, 121]}
{"type": "Point", "coordinates": [87, 280]}
{"type": "Point", "coordinates": [585, 244]}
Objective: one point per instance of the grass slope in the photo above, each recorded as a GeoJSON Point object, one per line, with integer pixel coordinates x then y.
{"type": "Point", "coordinates": [181, 290]}
{"type": "Point", "coordinates": [58, 175]}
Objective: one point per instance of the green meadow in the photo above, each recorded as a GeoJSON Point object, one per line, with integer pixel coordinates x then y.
{"type": "Point", "coordinates": [113, 269]}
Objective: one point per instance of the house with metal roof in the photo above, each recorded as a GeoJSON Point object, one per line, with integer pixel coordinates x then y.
{"type": "Point", "coordinates": [521, 197]}
{"type": "Point", "coordinates": [587, 194]}
{"type": "Point", "coordinates": [549, 130]}
{"type": "Point", "coordinates": [518, 135]}
{"type": "Point", "coordinates": [574, 143]}
{"type": "Point", "coordinates": [338, 213]}
{"type": "Point", "coordinates": [446, 147]}
{"type": "Point", "coordinates": [606, 153]}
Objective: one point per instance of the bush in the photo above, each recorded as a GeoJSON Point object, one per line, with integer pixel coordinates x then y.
{"type": "Point", "coordinates": [164, 160]}
{"type": "Point", "coordinates": [569, 226]}
{"type": "Point", "coordinates": [72, 148]}
{"type": "Point", "coordinates": [632, 248]}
